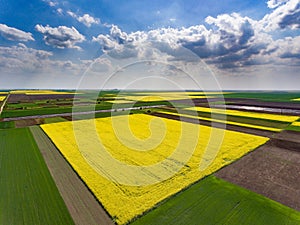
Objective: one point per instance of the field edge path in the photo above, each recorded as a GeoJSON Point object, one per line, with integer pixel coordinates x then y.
{"type": "Point", "coordinates": [82, 205]}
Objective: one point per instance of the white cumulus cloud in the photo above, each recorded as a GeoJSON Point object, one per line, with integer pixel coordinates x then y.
{"type": "Point", "coordinates": [231, 41]}
{"type": "Point", "coordinates": [275, 3]}
{"type": "Point", "coordinates": [61, 37]}
{"type": "Point", "coordinates": [14, 34]}
{"type": "Point", "coordinates": [86, 19]}
{"type": "Point", "coordinates": [286, 15]}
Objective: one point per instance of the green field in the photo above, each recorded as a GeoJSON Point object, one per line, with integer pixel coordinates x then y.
{"type": "Point", "coordinates": [28, 192]}
{"type": "Point", "coordinates": [7, 124]}
{"type": "Point", "coordinates": [215, 201]}
{"type": "Point", "coordinates": [30, 196]}
{"type": "Point", "coordinates": [273, 96]}
{"type": "Point", "coordinates": [57, 110]}
{"type": "Point", "coordinates": [54, 120]}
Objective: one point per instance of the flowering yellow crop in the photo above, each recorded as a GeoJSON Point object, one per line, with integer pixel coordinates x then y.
{"type": "Point", "coordinates": [208, 93]}
{"type": "Point", "coordinates": [119, 101]}
{"type": "Point", "coordinates": [39, 92]}
{"type": "Point", "coordinates": [226, 122]}
{"type": "Point", "coordinates": [152, 98]}
{"type": "Point", "coordinates": [109, 150]}
{"type": "Point", "coordinates": [296, 99]}
{"type": "Point", "coordinates": [167, 96]}
{"type": "Point", "coordinates": [163, 97]}
{"type": "Point", "coordinates": [182, 93]}
{"type": "Point", "coordinates": [297, 124]}
{"type": "Point", "coordinates": [246, 114]}
{"type": "Point", "coordinates": [2, 98]}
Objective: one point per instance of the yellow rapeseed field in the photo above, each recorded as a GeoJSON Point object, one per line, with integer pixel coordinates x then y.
{"type": "Point", "coordinates": [167, 96]}
{"type": "Point", "coordinates": [297, 124]}
{"type": "Point", "coordinates": [144, 146]}
{"type": "Point", "coordinates": [2, 98]}
{"type": "Point", "coordinates": [192, 93]}
{"type": "Point", "coordinates": [226, 122]}
{"type": "Point", "coordinates": [296, 99]}
{"type": "Point", "coordinates": [246, 114]}
{"type": "Point", "coordinates": [163, 97]}
{"type": "Point", "coordinates": [119, 101]}
{"type": "Point", "coordinates": [39, 92]}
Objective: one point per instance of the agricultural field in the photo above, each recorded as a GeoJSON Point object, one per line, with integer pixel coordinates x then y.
{"type": "Point", "coordinates": [215, 201]}
{"type": "Point", "coordinates": [224, 121]}
{"type": "Point", "coordinates": [271, 170]}
{"type": "Point", "coordinates": [6, 125]}
{"type": "Point", "coordinates": [40, 92]}
{"type": "Point", "coordinates": [271, 96]}
{"type": "Point", "coordinates": [295, 126]}
{"type": "Point", "coordinates": [121, 164]}
{"type": "Point", "coordinates": [82, 205]}
{"type": "Point", "coordinates": [125, 202]}
{"type": "Point", "coordinates": [44, 102]}
{"type": "Point", "coordinates": [150, 112]}
{"type": "Point", "coordinates": [166, 96]}
{"type": "Point", "coordinates": [246, 114]}
{"type": "Point", "coordinates": [28, 192]}
{"type": "Point", "coordinates": [263, 121]}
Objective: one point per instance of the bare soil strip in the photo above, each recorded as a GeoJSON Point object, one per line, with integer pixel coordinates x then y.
{"type": "Point", "coordinates": [287, 140]}
{"type": "Point", "coordinates": [82, 205]}
{"type": "Point", "coordinates": [271, 171]}
{"type": "Point", "coordinates": [26, 123]}
{"type": "Point", "coordinates": [248, 130]}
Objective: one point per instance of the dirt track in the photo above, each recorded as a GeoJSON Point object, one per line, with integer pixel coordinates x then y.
{"type": "Point", "coordinates": [82, 205]}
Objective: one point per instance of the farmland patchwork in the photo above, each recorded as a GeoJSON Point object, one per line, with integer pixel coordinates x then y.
{"type": "Point", "coordinates": [131, 163]}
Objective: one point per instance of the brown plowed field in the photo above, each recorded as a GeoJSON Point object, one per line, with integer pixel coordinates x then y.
{"type": "Point", "coordinates": [272, 170]}
{"type": "Point", "coordinates": [32, 98]}
{"type": "Point", "coordinates": [28, 122]}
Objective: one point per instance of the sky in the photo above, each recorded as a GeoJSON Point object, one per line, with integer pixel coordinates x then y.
{"type": "Point", "coordinates": [181, 44]}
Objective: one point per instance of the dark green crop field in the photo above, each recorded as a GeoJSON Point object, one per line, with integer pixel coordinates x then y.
{"type": "Point", "coordinates": [28, 192]}
{"type": "Point", "coordinates": [215, 201]}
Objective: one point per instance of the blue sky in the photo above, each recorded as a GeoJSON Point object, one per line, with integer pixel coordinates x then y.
{"type": "Point", "coordinates": [56, 44]}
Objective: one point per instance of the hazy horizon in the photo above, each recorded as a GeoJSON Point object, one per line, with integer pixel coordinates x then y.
{"type": "Point", "coordinates": [227, 45]}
